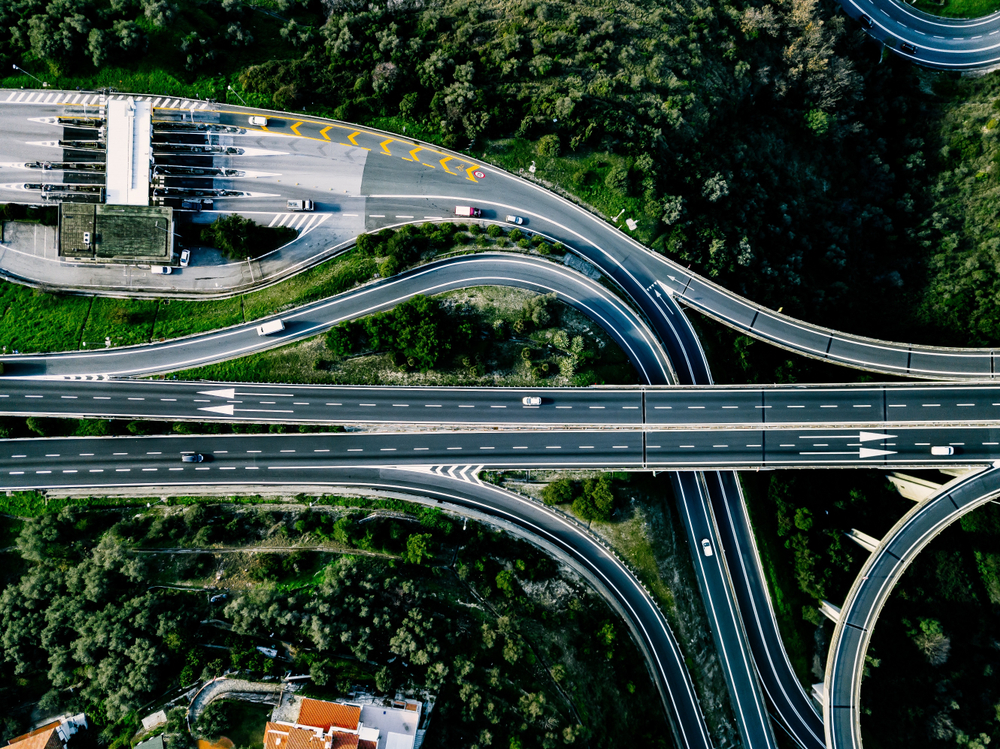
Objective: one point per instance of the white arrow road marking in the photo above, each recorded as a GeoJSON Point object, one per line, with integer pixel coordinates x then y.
{"type": "Point", "coordinates": [468, 474]}
{"type": "Point", "coordinates": [862, 436]}
{"type": "Point", "coordinates": [230, 393]}
{"type": "Point", "coordinates": [862, 453]}
{"type": "Point", "coordinates": [228, 410]}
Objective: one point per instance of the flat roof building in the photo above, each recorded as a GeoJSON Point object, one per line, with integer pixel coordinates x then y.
{"type": "Point", "coordinates": [129, 151]}
{"type": "Point", "coordinates": [318, 724]}
{"type": "Point", "coordinates": [116, 233]}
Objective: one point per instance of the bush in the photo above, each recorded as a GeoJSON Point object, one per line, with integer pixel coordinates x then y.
{"type": "Point", "coordinates": [558, 492]}
{"type": "Point", "coordinates": [617, 179]}
{"type": "Point", "coordinates": [494, 230]}
{"type": "Point", "coordinates": [240, 238]}
{"type": "Point", "coordinates": [549, 145]}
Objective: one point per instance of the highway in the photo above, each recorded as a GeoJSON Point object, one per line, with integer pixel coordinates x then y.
{"type": "Point", "coordinates": [940, 43]}
{"type": "Point", "coordinates": [488, 269]}
{"type": "Point", "coordinates": [773, 406]}
{"type": "Point", "coordinates": [900, 546]}
{"type": "Point", "coordinates": [651, 281]}
{"type": "Point", "coordinates": [71, 462]}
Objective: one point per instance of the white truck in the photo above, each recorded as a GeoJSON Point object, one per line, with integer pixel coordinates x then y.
{"type": "Point", "coordinates": [272, 326]}
{"type": "Point", "coordinates": [301, 205]}
{"type": "Point", "coordinates": [468, 211]}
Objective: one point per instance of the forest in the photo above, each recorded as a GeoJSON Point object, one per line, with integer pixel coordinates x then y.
{"type": "Point", "coordinates": [98, 615]}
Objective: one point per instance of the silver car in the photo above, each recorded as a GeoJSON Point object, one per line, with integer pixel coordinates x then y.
{"type": "Point", "coordinates": [511, 219]}
{"type": "Point", "coordinates": [531, 400]}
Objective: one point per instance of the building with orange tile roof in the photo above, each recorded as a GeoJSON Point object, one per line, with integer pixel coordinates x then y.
{"type": "Point", "coordinates": [52, 735]}
{"type": "Point", "coordinates": [318, 724]}
{"type": "Point", "coordinates": [327, 715]}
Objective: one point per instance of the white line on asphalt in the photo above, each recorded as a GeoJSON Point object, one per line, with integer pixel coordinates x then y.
{"type": "Point", "coordinates": [321, 451]}
{"type": "Point", "coordinates": [586, 447]}
{"type": "Point", "coordinates": [137, 399]}
{"type": "Point", "coordinates": [730, 406]}
{"type": "Point", "coordinates": [68, 397]}
{"type": "Point", "coordinates": [354, 449]}
{"type": "Point", "coordinates": [466, 406]}
{"type": "Point", "coordinates": [432, 405]}
{"type": "Point", "coordinates": [86, 455]}
{"type": "Point", "coordinates": [102, 397]}
{"type": "Point", "coordinates": [597, 408]}
{"type": "Point", "coordinates": [97, 470]}
{"type": "Point", "coordinates": [387, 449]}
{"type": "Point", "coordinates": [400, 405]}
{"type": "Point", "coordinates": [169, 400]}
{"type": "Point", "coordinates": [421, 448]}
{"type": "Point", "coordinates": [453, 448]}
{"type": "Point", "coordinates": [334, 404]}
{"type": "Point", "coordinates": [287, 451]}
{"type": "Point", "coordinates": [253, 451]}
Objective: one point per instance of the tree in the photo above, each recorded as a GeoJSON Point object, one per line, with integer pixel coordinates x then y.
{"type": "Point", "coordinates": [558, 492]}
{"type": "Point", "coordinates": [617, 179]}
{"type": "Point", "coordinates": [419, 547]}
{"type": "Point", "coordinates": [213, 721]}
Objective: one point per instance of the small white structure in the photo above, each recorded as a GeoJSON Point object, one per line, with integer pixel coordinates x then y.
{"type": "Point", "coordinates": [130, 151]}
{"type": "Point", "coordinates": [156, 719]}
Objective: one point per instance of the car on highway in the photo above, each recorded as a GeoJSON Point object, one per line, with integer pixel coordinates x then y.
{"type": "Point", "coordinates": [272, 326]}
{"type": "Point", "coordinates": [531, 400]}
{"type": "Point", "coordinates": [907, 48]}
{"type": "Point", "coordinates": [161, 270]}
{"type": "Point", "coordinates": [512, 219]}
{"type": "Point", "coordinates": [706, 547]}
{"type": "Point", "coordinates": [185, 258]}
{"type": "Point", "coordinates": [192, 458]}
{"type": "Point", "coordinates": [867, 21]}
{"type": "Point", "coordinates": [942, 450]}
{"type": "Point", "coordinates": [258, 120]}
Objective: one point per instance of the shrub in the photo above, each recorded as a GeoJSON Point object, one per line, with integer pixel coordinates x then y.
{"type": "Point", "coordinates": [617, 179]}
{"type": "Point", "coordinates": [558, 492]}
{"type": "Point", "coordinates": [494, 230]}
{"type": "Point", "coordinates": [549, 145]}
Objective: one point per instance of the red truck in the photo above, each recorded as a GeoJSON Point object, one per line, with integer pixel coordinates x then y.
{"type": "Point", "coordinates": [468, 211]}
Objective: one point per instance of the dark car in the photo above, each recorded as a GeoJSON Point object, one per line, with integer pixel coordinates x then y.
{"type": "Point", "coordinates": [866, 21]}
{"type": "Point", "coordinates": [192, 457]}
{"type": "Point", "coordinates": [908, 48]}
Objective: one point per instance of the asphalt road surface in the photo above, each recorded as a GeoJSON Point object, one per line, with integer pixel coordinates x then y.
{"type": "Point", "coordinates": [105, 461]}
{"type": "Point", "coordinates": [846, 661]}
{"type": "Point", "coordinates": [490, 269]}
{"type": "Point", "coordinates": [863, 407]}
{"type": "Point", "coordinates": [942, 43]}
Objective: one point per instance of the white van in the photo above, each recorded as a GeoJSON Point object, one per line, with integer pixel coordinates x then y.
{"type": "Point", "coordinates": [942, 450]}
{"type": "Point", "coordinates": [272, 326]}
{"type": "Point", "coordinates": [258, 120]}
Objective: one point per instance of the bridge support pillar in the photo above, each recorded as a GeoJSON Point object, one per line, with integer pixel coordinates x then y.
{"type": "Point", "coordinates": [830, 611]}
{"type": "Point", "coordinates": [913, 488]}
{"type": "Point", "coordinates": [818, 693]}
{"type": "Point", "coordinates": [862, 539]}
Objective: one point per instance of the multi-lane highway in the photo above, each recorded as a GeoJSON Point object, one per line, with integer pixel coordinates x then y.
{"type": "Point", "coordinates": [40, 463]}
{"type": "Point", "coordinates": [772, 406]}
{"type": "Point", "coordinates": [651, 281]}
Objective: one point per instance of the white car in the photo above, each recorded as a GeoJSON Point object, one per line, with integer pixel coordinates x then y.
{"type": "Point", "coordinates": [161, 270]}
{"type": "Point", "coordinates": [706, 547]}
{"type": "Point", "coordinates": [258, 120]}
{"type": "Point", "coordinates": [531, 400]}
{"type": "Point", "coordinates": [515, 220]}
{"type": "Point", "coordinates": [185, 258]}
{"type": "Point", "coordinates": [942, 450]}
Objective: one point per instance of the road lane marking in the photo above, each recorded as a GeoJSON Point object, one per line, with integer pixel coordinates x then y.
{"type": "Point", "coordinates": [148, 469]}
{"type": "Point", "coordinates": [432, 405]}
{"type": "Point", "coordinates": [466, 406]}
{"type": "Point", "coordinates": [287, 451]}
{"type": "Point", "coordinates": [169, 400]}
{"type": "Point", "coordinates": [738, 406]}
{"type": "Point", "coordinates": [69, 470]}
{"type": "Point", "coordinates": [498, 406]}
{"type": "Point", "coordinates": [619, 447]}
{"type": "Point", "coordinates": [387, 449]}
{"type": "Point", "coordinates": [33, 396]}
{"type": "Point", "coordinates": [68, 397]}
{"type": "Point", "coordinates": [43, 471]}
{"type": "Point", "coordinates": [102, 397]}
{"type": "Point", "coordinates": [99, 470]}
{"type": "Point", "coordinates": [586, 447]}
{"type": "Point", "coordinates": [354, 449]}
{"type": "Point", "coordinates": [400, 405]}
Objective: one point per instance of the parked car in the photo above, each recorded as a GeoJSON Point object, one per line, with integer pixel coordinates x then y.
{"type": "Point", "coordinates": [942, 450]}
{"type": "Point", "coordinates": [192, 458]}
{"type": "Point", "coordinates": [185, 258]}
{"type": "Point", "coordinates": [706, 547]}
{"type": "Point", "coordinates": [531, 400]}
{"type": "Point", "coordinates": [161, 270]}
{"type": "Point", "coordinates": [512, 219]}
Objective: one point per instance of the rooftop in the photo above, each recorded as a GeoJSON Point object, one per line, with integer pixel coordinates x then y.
{"type": "Point", "coordinates": [130, 151]}
{"type": "Point", "coordinates": [328, 714]}
{"type": "Point", "coordinates": [116, 233]}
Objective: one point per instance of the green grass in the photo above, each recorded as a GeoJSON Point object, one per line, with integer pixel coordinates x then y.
{"type": "Point", "coordinates": [582, 175]}
{"type": "Point", "coordinates": [958, 8]}
{"type": "Point", "coordinates": [32, 321]}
